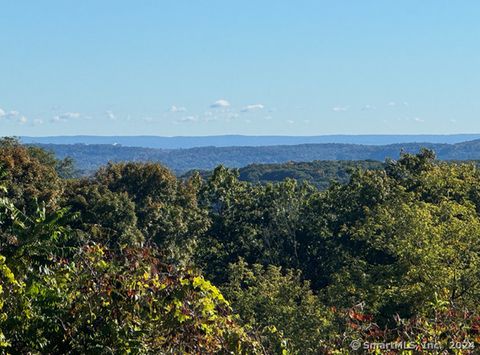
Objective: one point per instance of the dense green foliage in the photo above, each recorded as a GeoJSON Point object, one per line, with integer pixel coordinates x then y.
{"type": "Point", "coordinates": [134, 260]}
{"type": "Point", "coordinates": [319, 172]}
{"type": "Point", "coordinates": [84, 278]}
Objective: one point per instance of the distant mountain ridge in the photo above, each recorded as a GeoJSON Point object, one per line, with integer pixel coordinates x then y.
{"type": "Point", "coordinates": [89, 157]}
{"type": "Point", "coordinates": [185, 142]}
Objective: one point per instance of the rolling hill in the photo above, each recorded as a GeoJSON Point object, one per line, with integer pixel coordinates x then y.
{"type": "Point", "coordinates": [185, 142]}
{"type": "Point", "coordinates": [89, 157]}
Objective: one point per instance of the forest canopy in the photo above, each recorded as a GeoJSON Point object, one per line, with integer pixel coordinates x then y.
{"type": "Point", "coordinates": [133, 259]}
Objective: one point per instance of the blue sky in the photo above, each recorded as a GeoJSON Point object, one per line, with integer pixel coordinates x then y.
{"type": "Point", "coordinates": [239, 67]}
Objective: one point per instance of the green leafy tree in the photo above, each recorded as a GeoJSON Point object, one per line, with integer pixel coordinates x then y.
{"type": "Point", "coordinates": [395, 239]}
{"type": "Point", "coordinates": [257, 223]}
{"type": "Point", "coordinates": [104, 216]}
{"type": "Point", "coordinates": [167, 210]}
{"type": "Point", "coordinates": [29, 175]}
{"type": "Point", "coordinates": [280, 306]}
{"type": "Point", "coordinates": [59, 299]}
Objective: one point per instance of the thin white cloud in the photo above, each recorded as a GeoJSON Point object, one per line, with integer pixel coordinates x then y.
{"type": "Point", "coordinates": [111, 115]}
{"type": "Point", "coordinates": [175, 109]}
{"type": "Point", "coordinates": [64, 117]}
{"type": "Point", "coordinates": [290, 121]}
{"type": "Point", "coordinates": [37, 121]}
{"type": "Point", "coordinates": [13, 116]}
{"type": "Point", "coordinates": [411, 119]}
{"type": "Point", "coordinates": [254, 107]}
{"type": "Point", "coordinates": [340, 108]}
{"type": "Point", "coordinates": [188, 119]}
{"type": "Point", "coordinates": [209, 117]}
{"type": "Point", "coordinates": [368, 108]}
{"type": "Point", "coordinates": [394, 104]}
{"type": "Point", "coordinates": [230, 116]}
{"type": "Point", "coordinates": [222, 103]}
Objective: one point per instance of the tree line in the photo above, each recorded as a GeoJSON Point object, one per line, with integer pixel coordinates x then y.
{"type": "Point", "coordinates": [134, 260]}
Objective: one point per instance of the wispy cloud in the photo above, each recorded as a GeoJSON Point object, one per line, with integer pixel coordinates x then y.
{"type": "Point", "coordinates": [230, 116]}
{"type": "Point", "coordinates": [368, 108]}
{"type": "Point", "coordinates": [340, 108]}
{"type": "Point", "coordinates": [254, 107]}
{"type": "Point", "coordinates": [208, 116]}
{"type": "Point", "coordinates": [187, 119]}
{"type": "Point", "coordinates": [13, 116]}
{"type": "Point", "coordinates": [395, 104]}
{"type": "Point", "coordinates": [411, 119]}
{"type": "Point", "coordinates": [9, 114]}
{"type": "Point", "coordinates": [175, 109]}
{"type": "Point", "coordinates": [111, 115]}
{"type": "Point", "coordinates": [222, 103]}
{"type": "Point", "coordinates": [64, 117]}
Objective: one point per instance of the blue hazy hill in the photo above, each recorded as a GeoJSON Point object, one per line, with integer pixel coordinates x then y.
{"type": "Point", "coordinates": [89, 157]}
{"type": "Point", "coordinates": [184, 142]}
